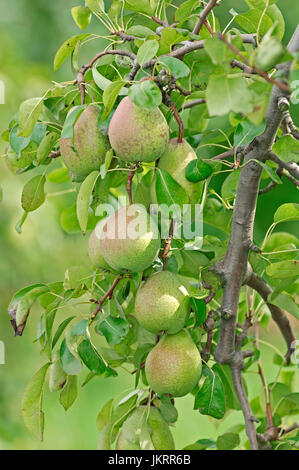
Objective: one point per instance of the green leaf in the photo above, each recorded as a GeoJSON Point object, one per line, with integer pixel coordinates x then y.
{"type": "Point", "coordinates": [168, 191]}
{"type": "Point", "coordinates": [17, 142]}
{"type": "Point", "coordinates": [168, 410]}
{"type": "Point", "coordinates": [71, 365]}
{"type": "Point", "coordinates": [96, 6]}
{"type": "Point", "coordinates": [210, 400]}
{"type": "Point", "coordinates": [229, 187]}
{"type": "Point", "coordinates": [61, 329]}
{"type": "Point", "coordinates": [227, 93]}
{"type": "Point", "coordinates": [66, 49]}
{"type": "Point", "coordinates": [200, 310]}
{"type": "Point", "coordinates": [109, 96]}
{"type": "Point", "coordinates": [283, 269]}
{"type": "Point", "coordinates": [140, 31]}
{"type": "Point", "coordinates": [287, 149]}
{"type": "Point", "coordinates": [70, 392]}
{"type": "Point", "coordinates": [219, 52]}
{"type": "Point", "coordinates": [32, 403]}
{"type": "Point", "coordinates": [273, 175]}
{"type": "Point", "coordinates": [82, 16]}
{"type": "Point", "coordinates": [93, 360]}
{"type": "Point", "coordinates": [29, 113]}
{"type": "Point", "coordinates": [287, 212]}
{"type": "Point", "coordinates": [147, 51]}
{"type": "Point", "coordinates": [145, 94]}
{"type": "Point", "coordinates": [105, 415]}
{"type": "Point", "coordinates": [286, 302]}
{"type": "Point", "coordinates": [174, 66]}
{"type": "Point", "coordinates": [252, 19]}
{"type": "Point", "coordinates": [228, 441]}
{"type": "Point", "coordinates": [114, 329]}
{"type": "Point", "coordinates": [103, 82]}
{"type": "Point", "coordinates": [33, 195]}
{"type": "Point", "coordinates": [246, 132]}
{"type": "Point", "coordinates": [84, 198]}
{"type": "Point", "coordinates": [269, 53]}
{"type": "Point", "coordinates": [58, 176]}
{"type": "Point", "coordinates": [45, 147]}
{"type": "Point", "coordinates": [147, 7]}
{"type": "Point", "coordinates": [198, 170]}
{"type": "Point", "coordinates": [71, 119]}
{"type": "Point", "coordinates": [201, 444]}
{"type": "Point", "coordinates": [231, 399]}
{"type": "Point", "coordinates": [185, 10]}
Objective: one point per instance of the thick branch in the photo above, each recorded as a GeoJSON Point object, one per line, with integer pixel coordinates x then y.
{"type": "Point", "coordinates": [235, 262]}
{"type": "Point", "coordinates": [203, 16]}
{"type": "Point", "coordinates": [278, 314]}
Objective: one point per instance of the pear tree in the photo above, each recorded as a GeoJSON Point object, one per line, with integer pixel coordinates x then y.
{"type": "Point", "coordinates": [176, 110]}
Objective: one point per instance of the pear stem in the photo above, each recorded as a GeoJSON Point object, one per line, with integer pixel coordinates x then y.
{"type": "Point", "coordinates": [108, 295]}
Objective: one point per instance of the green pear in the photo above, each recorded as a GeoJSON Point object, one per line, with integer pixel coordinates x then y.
{"type": "Point", "coordinates": [162, 303]}
{"type": "Point", "coordinates": [86, 151]}
{"type": "Point", "coordinates": [95, 253]}
{"type": "Point", "coordinates": [174, 160]}
{"type": "Point", "coordinates": [57, 376]}
{"type": "Point", "coordinates": [130, 239]}
{"type": "Point", "coordinates": [174, 365]}
{"type": "Point", "coordinates": [129, 437]}
{"type": "Point", "coordinates": [137, 134]}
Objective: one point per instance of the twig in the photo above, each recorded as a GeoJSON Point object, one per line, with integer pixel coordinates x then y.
{"type": "Point", "coordinates": [168, 245]}
{"type": "Point", "coordinates": [170, 103]}
{"type": "Point", "coordinates": [124, 36]}
{"type": "Point", "coordinates": [192, 103]}
{"type": "Point", "coordinates": [130, 181]}
{"type": "Point", "coordinates": [283, 86]}
{"type": "Point", "coordinates": [55, 154]}
{"type": "Point", "coordinates": [108, 295]}
{"type": "Point", "coordinates": [284, 106]}
{"type": "Point", "coordinates": [272, 184]}
{"type": "Point", "coordinates": [245, 68]}
{"type": "Point", "coordinates": [81, 74]}
{"type": "Point", "coordinates": [209, 326]}
{"type": "Point", "coordinates": [291, 167]}
{"type": "Point", "coordinates": [160, 22]}
{"type": "Point", "coordinates": [203, 15]}
{"type": "Point", "coordinates": [224, 155]}
{"type": "Point", "coordinates": [278, 314]}
{"type": "Point", "coordinates": [182, 91]}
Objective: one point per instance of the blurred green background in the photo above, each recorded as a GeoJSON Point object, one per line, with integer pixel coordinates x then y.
{"type": "Point", "coordinates": [30, 33]}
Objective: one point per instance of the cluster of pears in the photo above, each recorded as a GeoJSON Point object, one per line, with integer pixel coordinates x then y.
{"type": "Point", "coordinates": [129, 241]}
{"type": "Point", "coordinates": [136, 135]}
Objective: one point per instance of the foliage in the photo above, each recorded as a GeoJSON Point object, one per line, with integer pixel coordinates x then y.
{"type": "Point", "coordinates": [230, 116]}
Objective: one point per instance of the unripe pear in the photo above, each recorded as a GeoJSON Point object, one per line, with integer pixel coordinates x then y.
{"type": "Point", "coordinates": [57, 376]}
{"type": "Point", "coordinates": [174, 160]}
{"type": "Point", "coordinates": [158, 428]}
{"type": "Point", "coordinates": [86, 151]}
{"type": "Point", "coordinates": [162, 303]}
{"type": "Point", "coordinates": [95, 253]}
{"type": "Point", "coordinates": [174, 365]}
{"type": "Point", "coordinates": [138, 134]}
{"type": "Point", "coordinates": [130, 239]}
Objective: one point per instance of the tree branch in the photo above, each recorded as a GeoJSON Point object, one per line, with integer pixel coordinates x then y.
{"type": "Point", "coordinates": [192, 103]}
{"type": "Point", "coordinates": [233, 268]}
{"type": "Point", "coordinates": [203, 16]}
{"type": "Point", "coordinates": [234, 265]}
{"type": "Point", "coordinates": [81, 74]}
{"type": "Point", "coordinates": [108, 295]}
{"type": "Point", "coordinates": [278, 314]}
{"type": "Point", "coordinates": [292, 167]}
{"type": "Point", "coordinates": [284, 106]}
{"type": "Point", "coordinates": [262, 73]}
